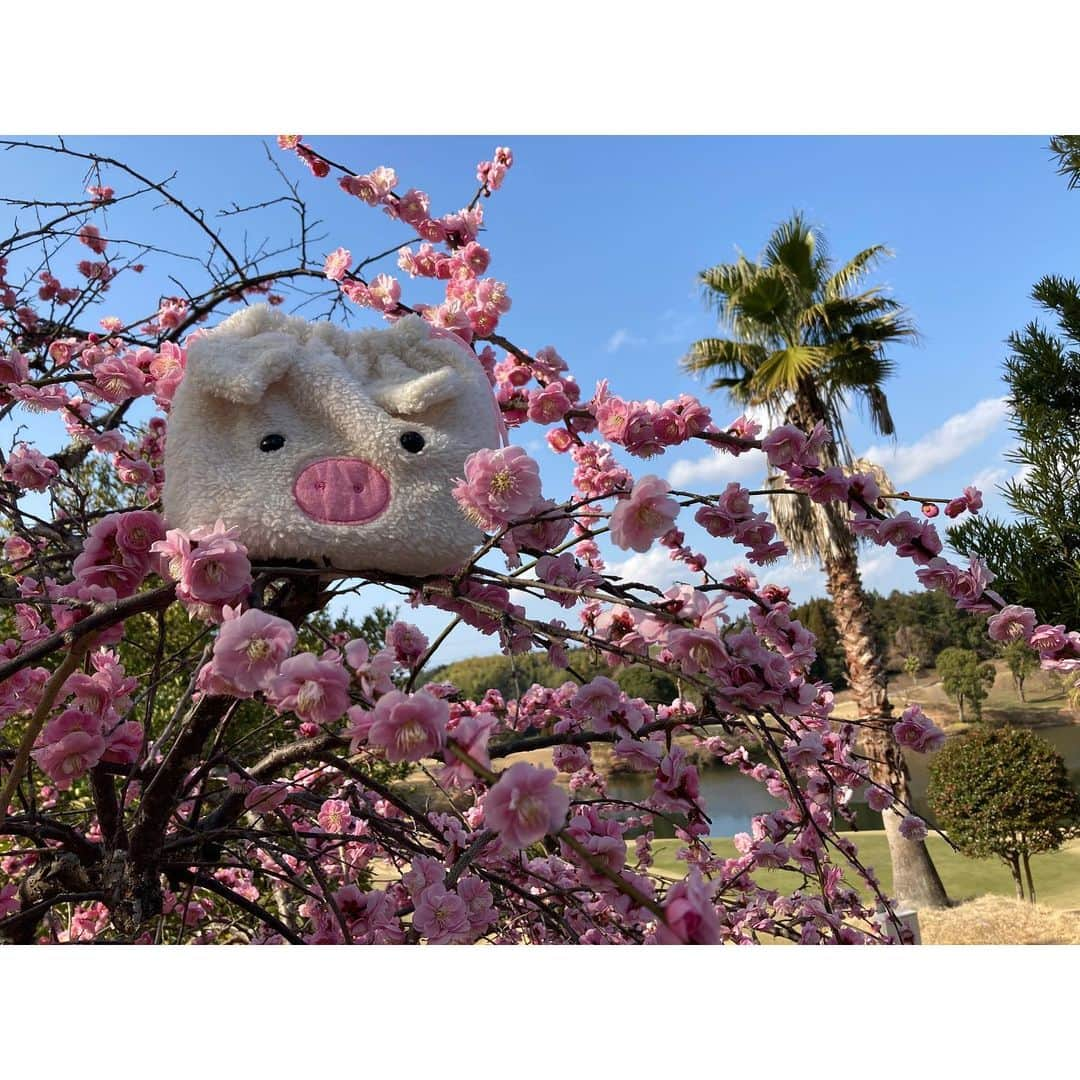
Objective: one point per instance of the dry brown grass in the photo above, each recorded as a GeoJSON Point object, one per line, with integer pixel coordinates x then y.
{"type": "Point", "coordinates": [997, 920]}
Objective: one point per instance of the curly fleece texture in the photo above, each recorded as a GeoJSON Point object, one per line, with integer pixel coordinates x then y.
{"type": "Point", "coordinates": [341, 401]}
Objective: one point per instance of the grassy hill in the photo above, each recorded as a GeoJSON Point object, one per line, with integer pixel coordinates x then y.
{"type": "Point", "coordinates": [1045, 703]}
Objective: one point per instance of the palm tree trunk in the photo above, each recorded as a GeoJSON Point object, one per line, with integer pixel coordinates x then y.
{"type": "Point", "coordinates": [916, 882]}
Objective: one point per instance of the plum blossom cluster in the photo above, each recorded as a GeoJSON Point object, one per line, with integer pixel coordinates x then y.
{"type": "Point", "coordinates": [732, 515]}
{"type": "Point", "coordinates": [116, 558]}
{"type": "Point", "coordinates": [1058, 648]}
{"type": "Point", "coordinates": [449, 250]}
{"type": "Point", "coordinates": [209, 565]}
{"type": "Point", "coordinates": [90, 728]}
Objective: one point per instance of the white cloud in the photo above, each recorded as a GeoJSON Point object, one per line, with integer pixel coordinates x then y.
{"type": "Point", "coordinates": [953, 439]}
{"type": "Point", "coordinates": [989, 479]}
{"type": "Point", "coordinates": [622, 338]}
{"type": "Point", "coordinates": [1021, 474]}
{"type": "Point", "coordinates": [654, 567]}
{"type": "Point", "coordinates": [717, 469]}
{"type": "Point", "coordinates": [876, 568]}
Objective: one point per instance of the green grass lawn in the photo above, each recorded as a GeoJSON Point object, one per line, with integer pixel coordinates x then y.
{"type": "Point", "coordinates": [1057, 874]}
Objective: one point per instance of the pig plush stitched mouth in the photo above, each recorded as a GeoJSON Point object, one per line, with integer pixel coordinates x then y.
{"type": "Point", "coordinates": [331, 445]}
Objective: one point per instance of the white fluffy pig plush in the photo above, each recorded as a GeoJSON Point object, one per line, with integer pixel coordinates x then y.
{"type": "Point", "coordinates": [336, 446]}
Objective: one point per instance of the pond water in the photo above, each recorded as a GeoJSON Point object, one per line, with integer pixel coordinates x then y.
{"type": "Point", "coordinates": [732, 799]}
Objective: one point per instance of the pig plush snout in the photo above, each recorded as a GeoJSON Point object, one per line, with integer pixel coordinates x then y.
{"type": "Point", "coordinates": [342, 491]}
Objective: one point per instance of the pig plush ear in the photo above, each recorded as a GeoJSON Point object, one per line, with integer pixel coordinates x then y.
{"type": "Point", "coordinates": [412, 395]}
{"type": "Point", "coordinates": [237, 368]}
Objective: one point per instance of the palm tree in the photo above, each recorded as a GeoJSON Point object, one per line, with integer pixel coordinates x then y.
{"type": "Point", "coordinates": [804, 343]}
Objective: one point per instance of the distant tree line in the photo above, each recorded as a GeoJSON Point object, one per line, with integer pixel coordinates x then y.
{"type": "Point", "coordinates": [919, 624]}
{"type": "Point", "coordinates": [905, 624]}
{"type": "Point", "coordinates": [513, 675]}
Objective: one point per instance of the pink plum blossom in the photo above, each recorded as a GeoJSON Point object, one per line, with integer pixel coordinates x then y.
{"type": "Point", "coordinates": [784, 446]}
{"type": "Point", "coordinates": [335, 816]}
{"type": "Point", "coordinates": [878, 799]}
{"type": "Point", "coordinates": [499, 485]}
{"type": "Point", "coordinates": [470, 734]}
{"type": "Point", "coordinates": [602, 838]}
{"type": "Point", "coordinates": [372, 187]}
{"type": "Point", "coordinates": [646, 515]}
{"type": "Point", "coordinates": [407, 641]}
{"type": "Point", "coordinates": [209, 565]}
{"type": "Point", "coordinates": [689, 915]}
{"type": "Point", "coordinates": [118, 379]}
{"type": "Point", "coordinates": [563, 572]}
{"type": "Point", "coordinates": [913, 828]}
{"type": "Point", "coordinates": [1048, 639]}
{"type": "Point", "coordinates": [1010, 623]}
{"type": "Point", "coordinates": [597, 699]}
{"type": "Point", "coordinates": [14, 368]}
{"type": "Point", "coordinates": [250, 648]}
{"type": "Point", "coordinates": [549, 404]}
{"type": "Point", "coordinates": [337, 264]}
{"type": "Point", "coordinates": [30, 469]}
{"type": "Point", "coordinates": [479, 902]}
{"type": "Point", "coordinates": [263, 798]}
{"type": "Point", "coordinates": [92, 238]}
{"type": "Point", "coordinates": [809, 750]}
{"type": "Point", "coordinates": [123, 743]}
{"type": "Point", "coordinates": [313, 689]}
{"type": "Point", "coordinates": [384, 292]}
{"type": "Point", "coordinates": [359, 726]}
{"type": "Point", "coordinates": [441, 915]}
{"type": "Point", "coordinates": [569, 758]}
{"type": "Point", "coordinates": [136, 533]}
{"type": "Point", "coordinates": [374, 672]}
{"type": "Point", "coordinates": [69, 746]}
{"type": "Point", "coordinates": [917, 731]}
{"type": "Point", "coordinates": [525, 805]}
{"type": "Point", "coordinates": [641, 755]}
{"type": "Point", "coordinates": [409, 726]}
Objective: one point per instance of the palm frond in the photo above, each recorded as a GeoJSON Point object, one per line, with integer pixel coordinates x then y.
{"type": "Point", "coordinates": [878, 406]}
{"type": "Point", "coordinates": [812, 532]}
{"type": "Point", "coordinates": [854, 366]}
{"type": "Point", "coordinates": [737, 358]}
{"type": "Point", "coordinates": [854, 270]}
{"type": "Point", "coordinates": [782, 370]}
{"type": "Point", "coordinates": [793, 247]}
{"type": "Point", "coordinates": [1066, 148]}
{"type": "Point", "coordinates": [725, 280]}
{"type": "Point", "coordinates": [761, 306]}
{"type": "Point", "coordinates": [822, 320]}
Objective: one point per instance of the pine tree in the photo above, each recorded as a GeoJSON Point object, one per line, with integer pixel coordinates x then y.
{"type": "Point", "coordinates": [1037, 557]}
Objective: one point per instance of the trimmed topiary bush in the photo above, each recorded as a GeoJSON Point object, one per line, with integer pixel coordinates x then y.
{"type": "Point", "coordinates": [1004, 792]}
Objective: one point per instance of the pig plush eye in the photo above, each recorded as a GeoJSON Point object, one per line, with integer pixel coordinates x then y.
{"type": "Point", "coordinates": [412, 441]}
{"type": "Point", "coordinates": [269, 443]}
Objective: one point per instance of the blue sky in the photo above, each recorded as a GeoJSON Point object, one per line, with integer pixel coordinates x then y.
{"type": "Point", "coordinates": [600, 239]}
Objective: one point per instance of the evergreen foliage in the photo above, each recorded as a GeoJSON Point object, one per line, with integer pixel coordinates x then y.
{"type": "Point", "coordinates": [1037, 557]}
